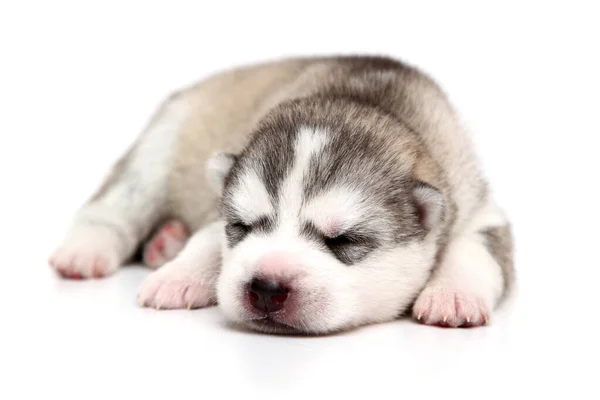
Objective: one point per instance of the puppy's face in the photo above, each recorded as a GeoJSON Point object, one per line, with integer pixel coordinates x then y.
{"type": "Point", "coordinates": [324, 230]}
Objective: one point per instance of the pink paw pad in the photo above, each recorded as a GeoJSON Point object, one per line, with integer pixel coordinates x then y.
{"type": "Point", "coordinates": [166, 243]}
{"type": "Point", "coordinates": [450, 309]}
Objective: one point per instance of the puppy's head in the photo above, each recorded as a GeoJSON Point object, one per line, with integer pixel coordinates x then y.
{"type": "Point", "coordinates": [325, 226]}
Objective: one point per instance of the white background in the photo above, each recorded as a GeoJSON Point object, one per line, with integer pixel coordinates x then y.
{"type": "Point", "coordinates": [79, 80]}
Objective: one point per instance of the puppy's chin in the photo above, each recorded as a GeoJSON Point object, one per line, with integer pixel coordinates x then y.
{"type": "Point", "coordinates": [270, 325]}
{"type": "Point", "coordinates": [273, 326]}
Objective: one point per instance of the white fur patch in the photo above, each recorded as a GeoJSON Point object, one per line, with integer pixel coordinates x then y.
{"type": "Point", "coordinates": [309, 144]}
{"type": "Point", "coordinates": [469, 267]}
{"type": "Point", "coordinates": [250, 197]}
{"type": "Point", "coordinates": [337, 210]}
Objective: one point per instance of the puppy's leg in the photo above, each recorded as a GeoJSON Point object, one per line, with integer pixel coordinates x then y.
{"type": "Point", "coordinates": [108, 229]}
{"type": "Point", "coordinates": [473, 276]}
{"type": "Point", "coordinates": [189, 280]}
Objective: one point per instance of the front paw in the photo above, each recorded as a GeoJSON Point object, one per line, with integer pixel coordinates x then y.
{"type": "Point", "coordinates": [450, 308]}
{"type": "Point", "coordinates": [168, 288]}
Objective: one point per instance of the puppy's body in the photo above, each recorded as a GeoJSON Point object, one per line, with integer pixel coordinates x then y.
{"type": "Point", "coordinates": [369, 137]}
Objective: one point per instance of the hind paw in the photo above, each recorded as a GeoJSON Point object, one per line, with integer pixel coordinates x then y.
{"type": "Point", "coordinates": [165, 244]}
{"type": "Point", "coordinates": [91, 253]}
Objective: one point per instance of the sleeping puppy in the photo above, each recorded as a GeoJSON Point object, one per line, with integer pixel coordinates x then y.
{"type": "Point", "coordinates": [320, 194]}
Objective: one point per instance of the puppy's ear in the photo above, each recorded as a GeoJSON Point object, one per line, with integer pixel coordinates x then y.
{"type": "Point", "coordinates": [217, 169]}
{"type": "Point", "coordinates": [429, 203]}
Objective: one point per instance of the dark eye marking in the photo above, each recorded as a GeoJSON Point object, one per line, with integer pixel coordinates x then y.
{"type": "Point", "coordinates": [241, 227]}
{"type": "Point", "coordinates": [349, 247]}
{"type": "Point", "coordinates": [263, 224]}
{"type": "Point", "coordinates": [237, 230]}
{"type": "Point", "coordinates": [341, 240]}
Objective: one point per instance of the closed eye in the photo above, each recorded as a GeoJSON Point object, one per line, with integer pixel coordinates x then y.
{"type": "Point", "coordinates": [340, 240]}
{"type": "Point", "coordinates": [241, 227]}
{"type": "Point", "coordinates": [350, 247]}
{"type": "Point", "coordinates": [237, 230]}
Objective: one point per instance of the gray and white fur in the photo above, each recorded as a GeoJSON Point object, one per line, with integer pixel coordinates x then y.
{"type": "Point", "coordinates": [322, 193]}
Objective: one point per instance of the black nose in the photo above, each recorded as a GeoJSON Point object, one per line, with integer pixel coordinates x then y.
{"type": "Point", "coordinates": [267, 296]}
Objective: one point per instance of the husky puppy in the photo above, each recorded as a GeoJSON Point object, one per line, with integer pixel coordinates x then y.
{"type": "Point", "coordinates": [305, 195]}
